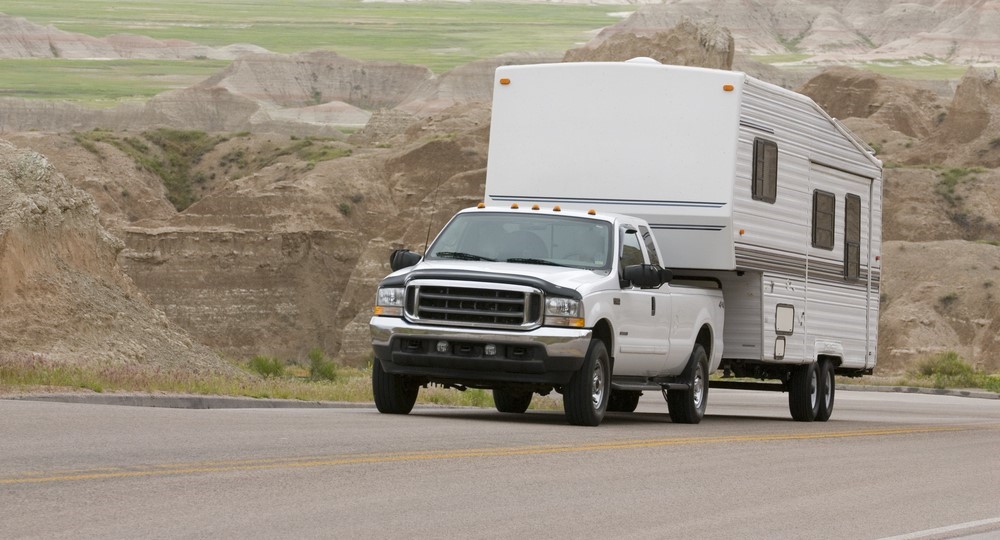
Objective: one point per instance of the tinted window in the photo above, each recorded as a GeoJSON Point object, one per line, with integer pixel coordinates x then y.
{"type": "Point", "coordinates": [824, 215]}
{"type": "Point", "coordinates": [852, 237]}
{"type": "Point", "coordinates": [631, 252]}
{"type": "Point", "coordinates": [647, 238]}
{"type": "Point", "coordinates": [765, 170]}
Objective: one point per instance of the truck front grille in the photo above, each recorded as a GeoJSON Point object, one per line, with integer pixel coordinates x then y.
{"type": "Point", "coordinates": [482, 305]}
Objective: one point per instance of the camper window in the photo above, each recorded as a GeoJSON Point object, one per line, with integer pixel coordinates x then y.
{"type": "Point", "coordinates": [852, 237]}
{"type": "Point", "coordinates": [824, 216]}
{"type": "Point", "coordinates": [765, 170]}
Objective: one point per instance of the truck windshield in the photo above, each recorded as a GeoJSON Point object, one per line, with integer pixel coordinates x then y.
{"type": "Point", "coordinates": [528, 239]}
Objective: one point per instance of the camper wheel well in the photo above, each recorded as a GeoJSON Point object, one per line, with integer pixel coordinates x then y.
{"type": "Point", "coordinates": [835, 360]}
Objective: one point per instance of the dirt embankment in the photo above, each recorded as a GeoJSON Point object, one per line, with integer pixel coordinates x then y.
{"type": "Point", "coordinates": [62, 291]}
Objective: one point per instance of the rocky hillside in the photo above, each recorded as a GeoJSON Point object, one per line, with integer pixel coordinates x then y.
{"type": "Point", "coordinates": [63, 293]}
{"type": "Point", "coordinates": [271, 241]}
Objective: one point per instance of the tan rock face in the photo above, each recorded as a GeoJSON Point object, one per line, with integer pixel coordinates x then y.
{"type": "Point", "coordinates": [62, 293]}
{"type": "Point", "coordinates": [687, 44]}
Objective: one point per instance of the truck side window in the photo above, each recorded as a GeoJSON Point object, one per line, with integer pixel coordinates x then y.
{"type": "Point", "coordinates": [824, 216]}
{"type": "Point", "coordinates": [852, 237]}
{"type": "Point", "coordinates": [647, 238]}
{"type": "Point", "coordinates": [631, 250]}
{"type": "Point", "coordinates": [765, 170]}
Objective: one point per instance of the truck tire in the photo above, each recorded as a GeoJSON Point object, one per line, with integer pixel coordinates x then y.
{"type": "Point", "coordinates": [394, 394]}
{"type": "Point", "coordinates": [585, 398]}
{"type": "Point", "coordinates": [688, 406]}
{"type": "Point", "coordinates": [623, 400]}
{"type": "Point", "coordinates": [827, 389]}
{"type": "Point", "coordinates": [508, 401]}
{"type": "Point", "coordinates": [803, 394]}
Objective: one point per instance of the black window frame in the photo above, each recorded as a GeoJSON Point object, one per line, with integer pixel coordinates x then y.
{"type": "Point", "coordinates": [852, 237]}
{"type": "Point", "coordinates": [764, 178]}
{"type": "Point", "coordinates": [827, 227]}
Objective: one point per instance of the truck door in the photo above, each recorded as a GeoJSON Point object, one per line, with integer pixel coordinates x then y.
{"type": "Point", "coordinates": [643, 317]}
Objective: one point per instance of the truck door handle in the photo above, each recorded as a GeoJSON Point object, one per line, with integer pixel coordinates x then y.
{"type": "Point", "coordinates": [652, 306]}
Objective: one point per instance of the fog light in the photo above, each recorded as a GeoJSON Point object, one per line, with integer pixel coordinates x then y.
{"type": "Point", "coordinates": [490, 349]}
{"type": "Point", "coordinates": [442, 346]}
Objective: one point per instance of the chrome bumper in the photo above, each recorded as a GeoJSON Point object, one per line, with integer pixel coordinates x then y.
{"type": "Point", "coordinates": [546, 355]}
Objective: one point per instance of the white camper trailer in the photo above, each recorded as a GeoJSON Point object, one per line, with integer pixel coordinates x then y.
{"type": "Point", "coordinates": [740, 180]}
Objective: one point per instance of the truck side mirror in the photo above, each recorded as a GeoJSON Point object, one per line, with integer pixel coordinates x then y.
{"type": "Point", "coordinates": [647, 276]}
{"type": "Point", "coordinates": [403, 258]}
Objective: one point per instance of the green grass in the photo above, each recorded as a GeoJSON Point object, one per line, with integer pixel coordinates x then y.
{"type": "Point", "coordinates": [36, 373]}
{"type": "Point", "coordinates": [100, 83]}
{"type": "Point", "coordinates": [440, 35]}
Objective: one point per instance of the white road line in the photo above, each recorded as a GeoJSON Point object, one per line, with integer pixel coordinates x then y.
{"type": "Point", "coordinates": [929, 533]}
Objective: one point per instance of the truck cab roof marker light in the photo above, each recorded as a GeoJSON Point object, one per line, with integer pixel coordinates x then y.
{"type": "Point", "coordinates": [481, 205]}
{"type": "Point", "coordinates": [535, 207]}
{"type": "Point", "coordinates": [514, 206]}
{"type": "Point", "coordinates": [591, 212]}
{"type": "Point", "coordinates": [556, 208]}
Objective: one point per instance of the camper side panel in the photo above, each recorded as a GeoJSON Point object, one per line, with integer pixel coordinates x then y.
{"type": "Point", "coordinates": [809, 305]}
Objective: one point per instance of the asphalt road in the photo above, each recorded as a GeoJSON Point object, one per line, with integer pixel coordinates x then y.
{"type": "Point", "coordinates": [912, 466]}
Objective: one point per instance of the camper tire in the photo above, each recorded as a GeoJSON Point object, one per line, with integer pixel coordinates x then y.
{"type": "Point", "coordinates": [509, 401]}
{"type": "Point", "coordinates": [827, 390]}
{"type": "Point", "coordinates": [803, 393]}
{"type": "Point", "coordinates": [394, 394]}
{"type": "Point", "coordinates": [585, 398]}
{"type": "Point", "coordinates": [688, 406]}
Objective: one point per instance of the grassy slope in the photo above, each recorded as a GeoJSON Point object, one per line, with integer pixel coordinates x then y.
{"type": "Point", "coordinates": [440, 35]}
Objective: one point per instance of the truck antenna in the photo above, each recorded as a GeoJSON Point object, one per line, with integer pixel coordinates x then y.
{"type": "Point", "coordinates": [428, 238]}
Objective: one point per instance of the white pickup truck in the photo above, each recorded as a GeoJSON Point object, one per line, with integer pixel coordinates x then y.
{"type": "Point", "coordinates": [530, 300]}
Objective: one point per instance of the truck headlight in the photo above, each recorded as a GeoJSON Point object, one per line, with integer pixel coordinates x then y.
{"type": "Point", "coordinates": [563, 312]}
{"type": "Point", "coordinates": [389, 301]}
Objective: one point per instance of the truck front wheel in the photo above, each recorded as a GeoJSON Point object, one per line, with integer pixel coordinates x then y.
{"type": "Point", "coordinates": [688, 406]}
{"type": "Point", "coordinates": [585, 398]}
{"type": "Point", "coordinates": [394, 394]}
{"type": "Point", "coordinates": [508, 401]}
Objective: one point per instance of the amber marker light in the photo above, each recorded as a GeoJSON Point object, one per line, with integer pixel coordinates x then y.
{"type": "Point", "coordinates": [535, 207]}
{"type": "Point", "coordinates": [481, 205]}
{"type": "Point", "coordinates": [514, 206]}
{"type": "Point", "coordinates": [556, 208]}
{"type": "Point", "coordinates": [742, 232]}
{"type": "Point", "coordinates": [728, 87]}
{"type": "Point", "coordinates": [505, 81]}
{"type": "Point", "coordinates": [591, 212]}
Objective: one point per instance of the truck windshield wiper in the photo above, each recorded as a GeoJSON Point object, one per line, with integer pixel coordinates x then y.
{"type": "Point", "coordinates": [533, 261]}
{"type": "Point", "coordinates": [462, 256]}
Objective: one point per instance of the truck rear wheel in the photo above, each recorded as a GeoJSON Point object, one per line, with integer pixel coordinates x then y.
{"type": "Point", "coordinates": [688, 406]}
{"type": "Point", "coordinates": [624, 400]}
{"type": "Point", "coordinates": [508, 401]}
{"type": "Point", "coordinates": [394, 394]}
{"type": "Point", "coordinates": [585, 398]}
{"type": "Point", "coordinates": [803, 394]}
{"type": "Point", "coordinates": [827, 388]}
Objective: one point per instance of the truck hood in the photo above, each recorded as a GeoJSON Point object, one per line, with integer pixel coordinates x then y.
{"type": "Point", "coordinates": [578, 279]}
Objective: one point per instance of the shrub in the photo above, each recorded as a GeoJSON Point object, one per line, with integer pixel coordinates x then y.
{"type": "Point", "coordinates": [949, 370]}
{"type": "Point", "coordinates": [267, 366]}
{"type": "Point", "coordinates": [320, 367]}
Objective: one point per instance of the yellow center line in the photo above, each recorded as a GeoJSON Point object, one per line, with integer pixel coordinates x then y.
{"type": "Point", "coordinates": [334, 460]}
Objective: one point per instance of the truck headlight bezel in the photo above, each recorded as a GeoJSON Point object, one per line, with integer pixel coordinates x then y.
{"type": "Point", "coordinates": [560, 311]}
{"type": "Point", "coordinates": [389, 301]}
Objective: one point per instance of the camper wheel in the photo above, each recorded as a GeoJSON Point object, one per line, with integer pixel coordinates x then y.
{"type": "Point", "coordinates": [827, 388]}
{"type": "Point", "coordinates": [803, 394]}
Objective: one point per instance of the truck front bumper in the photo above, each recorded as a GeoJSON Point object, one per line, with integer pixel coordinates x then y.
{"type": "Point", "coordinates": [478, 357]}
